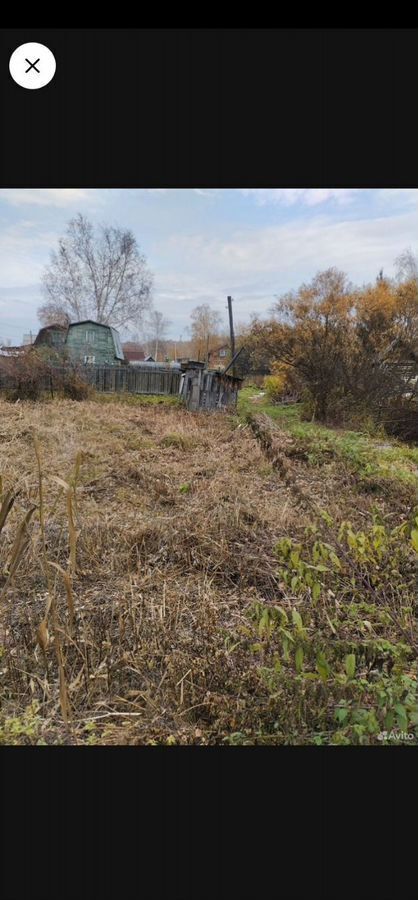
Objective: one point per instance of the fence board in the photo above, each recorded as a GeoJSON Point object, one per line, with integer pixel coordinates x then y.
{"type": "Point", "coordinates": [112, 379]}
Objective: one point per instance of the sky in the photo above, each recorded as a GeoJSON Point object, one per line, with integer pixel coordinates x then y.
{"type": "Point", "coordinates": [205, 244]}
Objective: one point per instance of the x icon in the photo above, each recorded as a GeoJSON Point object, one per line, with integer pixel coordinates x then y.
{"type": "Point", "coordinates": [32, 65]}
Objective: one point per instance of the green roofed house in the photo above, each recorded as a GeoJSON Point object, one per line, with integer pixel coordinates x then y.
{"type": "Point", "coordinates": [93, 343]}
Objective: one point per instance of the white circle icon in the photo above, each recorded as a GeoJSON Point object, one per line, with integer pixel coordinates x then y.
{"type": "Point", "coordinates": [32, 66]}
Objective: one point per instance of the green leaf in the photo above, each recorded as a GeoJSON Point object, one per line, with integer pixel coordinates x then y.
{"type": "Point", "coordinates": [341, 714]}
{"type": "Point", "coordinates": [299, 659]}
{"type": "Point", "coordinates": [414, 539]}
{"type": "Point", "coordinates": [335, 561]}
{"type": "Point", "coordinates": [287, 635]}
{"type": "Point", "coordinates": [322, 666]}
{"type": "Point", "coordinates": [350, 664]}
{"type": "Point", "coordinates": [297, 619]}
{"type": "Point", "coordinates": [316, 591]}
{"type": "Point", "coordinates": [389, 720]}
{"type": "Point", "coordinates": [402, 716]}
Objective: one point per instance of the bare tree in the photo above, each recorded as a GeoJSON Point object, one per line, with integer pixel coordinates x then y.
{"type": "Point", "coordinates": [96, 273]}
{"type": "Point", "coordinates": [156, 329]}
{"type": "Point", "coordinates": [52, 313]}
{"type": "Point", "coordinates": [205, 327]}
{"type": "Point", "coordinates": [406, 265]}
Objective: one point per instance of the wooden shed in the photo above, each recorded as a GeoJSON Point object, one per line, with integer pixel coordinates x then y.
{"type": "Point", "coordinates": [93, 343]}
{"type": "Point", "coordinates": [51, 336]}
{"type": "Point", "coordinates": [204, 389]}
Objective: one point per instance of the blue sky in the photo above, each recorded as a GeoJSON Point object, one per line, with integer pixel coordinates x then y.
{"type": "Point", "coordinates": [205, 244]}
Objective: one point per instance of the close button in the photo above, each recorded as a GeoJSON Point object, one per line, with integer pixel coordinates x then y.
{"type": "Point", "coordinates": [32, 66]}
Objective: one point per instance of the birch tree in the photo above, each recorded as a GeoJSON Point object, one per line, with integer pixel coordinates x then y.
{"type": "Point", "coordinates": [96, 273]}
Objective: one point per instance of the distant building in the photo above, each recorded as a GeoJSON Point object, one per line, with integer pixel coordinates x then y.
{"type": "Point", "coordinates": [93, 343]}
{"type": "Point", "coordinates": [133, 356]}
{"type": "Point", "coordinates": [219, 356]}
{"type": "Point", "coordinates": [9, 351]}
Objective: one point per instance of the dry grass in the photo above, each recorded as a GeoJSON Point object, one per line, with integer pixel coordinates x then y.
{"type": "Point", "coordinates": [139, 539]}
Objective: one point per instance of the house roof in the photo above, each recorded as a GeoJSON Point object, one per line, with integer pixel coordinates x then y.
{"type": "Point", "coordinates": [118, 346]}
{"type": "Point", "coordinates": [133, 355]}
{"type": "Point", "coordinates": [89, 322]}
{"type": "Point", "coordinates": [55, 327]}
{"type": "Point", "coordinates": [10, 351]}
{"type": "Point", "coordinates": [47, 329]}
{"type": "Point", "coordinates": [132, 345]}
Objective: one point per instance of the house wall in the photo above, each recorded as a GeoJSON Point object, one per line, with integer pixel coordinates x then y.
{"type": "Point", "coordinates": [91, 340]}
{"type": "Point", "coordinates": [219, 358]}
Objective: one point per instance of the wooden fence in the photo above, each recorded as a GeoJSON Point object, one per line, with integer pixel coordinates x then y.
{"type": "Point", "coordinates": [132, 379]}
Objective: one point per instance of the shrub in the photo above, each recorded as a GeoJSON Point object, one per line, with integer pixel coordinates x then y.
{"type": "Point", "coordinates": [274, 387]}
{"type": "Point", "coordinates": [359, 587]}
{"type": "Point", "coordinates": [31, 375]}
{"type": "Point", "coordinates": [74, 387]}
{"type": "Point", "coordinates": [24, 377]}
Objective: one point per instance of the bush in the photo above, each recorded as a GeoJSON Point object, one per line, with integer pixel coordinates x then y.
{"type": "Point", "coordinates": [274, 387]}
{"type": "Point", "coordinates": [24, 377]}
{"type": "Point", "coordinates": [31, 376]}
{"type": "Point", "coordinates": [360, 588]}
{"type": "Point", "coordinates": [74, 387]}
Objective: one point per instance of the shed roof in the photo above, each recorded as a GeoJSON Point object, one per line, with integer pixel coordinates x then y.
{"type": "Point", "coordinates": [133, 355]}
{"type": "Point", "coordinates": [55, 327]}
{"type": "Point", "coordinates": [89, 322]}
{"type": "Point", "coordinates": [47, 329]}
{"type": "Point", "coordinates": [117, 343]}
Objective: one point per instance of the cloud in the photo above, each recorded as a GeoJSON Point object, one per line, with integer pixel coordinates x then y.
{"type": "Point", "coordinates": [359, 245]}
{"type": "Point", "coordinates": [256, 264]}
{"type": "Point", "coordinates": [24, 249]}
{"type": "Point", "coordinates": [398, 196]}
{"type": "Point", "coordinates": [201, 258]}
{"type": "Point", "coordinates": [61, 197]}
{"type": "Point", "coordinates": [305, 196]}
{"type": "Point", "coordinates": [207, 192]}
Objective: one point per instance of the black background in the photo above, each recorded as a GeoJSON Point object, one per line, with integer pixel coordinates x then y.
{"type": "Point", "coordinates": [202, 108]}
{"type": "Point", "coordinates": [213, 107]}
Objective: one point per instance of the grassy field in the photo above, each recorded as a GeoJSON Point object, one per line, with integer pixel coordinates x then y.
{"type": "Point", "coordinates": [369, 457]}
{"type": "Point", "coordinates": [169, 577]}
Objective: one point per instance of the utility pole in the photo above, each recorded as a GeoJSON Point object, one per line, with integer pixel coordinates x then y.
{"type": "Point", "coordinates": [231, 330]}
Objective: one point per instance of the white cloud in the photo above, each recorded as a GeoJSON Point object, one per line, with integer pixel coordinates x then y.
{"type": "Point", "coordinates": [207, 192]}
{"type": "Point", "coordinates": [360, 246]}
{"type": "Point", "coordinates": [256, 264]}
{"type": "Point", "coordinates": [305, 196]}
{"type": "Point", "coordinates": [61, 197]}
{"type": "Point", "coordinates": [24, 249]}
{"type": "Point", "coordinates": [198, 260]}
{"type": "Point", "coordinates": [398, 196]}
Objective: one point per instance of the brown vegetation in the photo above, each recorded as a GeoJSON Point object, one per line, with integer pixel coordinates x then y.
{"type": "Point", "coordinates": [141, 580]}
{"type": "Point", "coordinates": [350, 352]}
